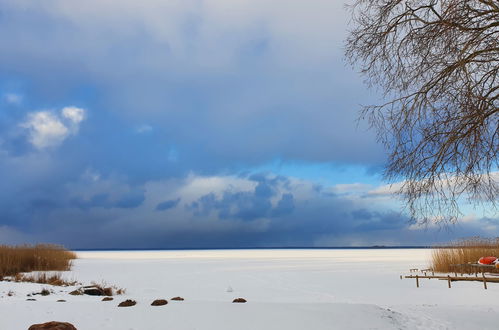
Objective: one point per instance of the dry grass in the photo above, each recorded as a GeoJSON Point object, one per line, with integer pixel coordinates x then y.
{"type": "Point", "coordinates": [27, 258]}
{"type": "Point", "coordinates": [119, 291]}
{"type": "Point", "coordinates": [44, 278]}
{"type": "Point", "coordinates": [16, 261]}
{"type": "Point", "coordinates": [109, 290]}
{"type": "Point", "coordinates": [98, 290]}
{"type": "Point", "coordinates": [462, 252]}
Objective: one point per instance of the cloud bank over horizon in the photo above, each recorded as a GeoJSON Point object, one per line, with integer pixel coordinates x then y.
{"type": "Point", "coordinates": [190, 124]}
{"type": "Point", "coordinates": [244, 210]}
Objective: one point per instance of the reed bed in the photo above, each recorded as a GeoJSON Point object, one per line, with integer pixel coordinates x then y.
{"type": "Point", "coordinates": [463, 251]}
{"type": "Point", "coordinates": [28, 258]}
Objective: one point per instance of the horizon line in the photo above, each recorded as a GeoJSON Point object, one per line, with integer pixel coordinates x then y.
{"type": "Point", "coordinates": [262, 248]}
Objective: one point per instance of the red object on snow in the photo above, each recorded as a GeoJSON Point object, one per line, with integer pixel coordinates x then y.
{"type": "Point", "coordinates": [487, 260]}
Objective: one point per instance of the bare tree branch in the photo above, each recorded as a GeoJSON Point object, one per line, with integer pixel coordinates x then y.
{"type": "Point", "coordinates": [437, 62]}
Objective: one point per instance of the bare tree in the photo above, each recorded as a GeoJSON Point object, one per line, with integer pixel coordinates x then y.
{"type": "Point", "coordinates": [437, 63]}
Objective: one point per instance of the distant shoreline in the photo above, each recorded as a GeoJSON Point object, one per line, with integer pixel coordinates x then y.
{"type": "Point", "coordinates": [376, 247]}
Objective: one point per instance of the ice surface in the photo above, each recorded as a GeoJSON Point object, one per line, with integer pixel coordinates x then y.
{"type": "Point", "coordinates": [285, 289]}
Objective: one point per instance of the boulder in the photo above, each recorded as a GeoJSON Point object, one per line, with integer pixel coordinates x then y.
{"type": "Point", "coordinates": [53, 325]}
{"type": "Point", "coordinates": [159, 302]}
{"type": "Point", "coordinates": [177, 299]}
{"type": "Point", "coordinates": [93, 291]}
{"type": "Point", "coordinates": [127, 303]}
{"type": "Point", "coordinates": [239, 300]}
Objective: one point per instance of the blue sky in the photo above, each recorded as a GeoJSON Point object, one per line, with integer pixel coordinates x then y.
{"type": "Point", "coordinates": [191, 123]}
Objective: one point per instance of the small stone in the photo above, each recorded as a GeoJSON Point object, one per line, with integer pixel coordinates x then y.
{"type": "Point", "coordinates": [107, 298]}
{"type": "Point", "coordinates": [61, 300]}
{"type": "Point", "coordinates": [30, 299]}
{"type": "Point", "coordinates": [53, 325]}
{"type": "Point", "coordinates": [177, 299]}
{"type": "Point", "coordinates": [127, 303]}
{"type": "Point", "coordinates": [239, 300]}
{"type": "Point", "coordinates": [93, 291]}
{"type": "Point", "coordinates": [159, 302]}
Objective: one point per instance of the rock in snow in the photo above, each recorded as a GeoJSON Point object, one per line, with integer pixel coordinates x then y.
{"type": "Point", "coordinates": [53, 325]}
{"type": "Point", "coordinates": [127, 303]}
{"type": "Point", "coordinates": [178, 299]}
{"type": "Point", "coordinates": [93, 291]}
{"type": "Point", "coordinates": [159, 302]}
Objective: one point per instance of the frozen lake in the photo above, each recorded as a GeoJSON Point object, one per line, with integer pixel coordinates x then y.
{"type": "Point", "coordinates": [285, 289]}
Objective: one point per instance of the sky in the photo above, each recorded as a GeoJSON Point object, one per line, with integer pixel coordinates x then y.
{"type": "Point", "coordinates": [192, 124]}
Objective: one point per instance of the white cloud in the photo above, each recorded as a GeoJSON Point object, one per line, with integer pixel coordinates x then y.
{"type": "Point", "coordinates": [73, 114]}
{"type": "Point", "coordinates": [47, 129]}
{"type": "Point", "coordinates": [448, 181]}
{"type": "Point", "coordinates": [196, 186]}
{"type": "Point", "coordinates": [143, 129]}
{"type": "Point", "coordinates": [90, 175]}
{"type": "Point", "coordinates": [350, 188]}
{"type": "Point", "coordinates": [13, 98]}
{"type": "Point", "coordinates": [386, 190]}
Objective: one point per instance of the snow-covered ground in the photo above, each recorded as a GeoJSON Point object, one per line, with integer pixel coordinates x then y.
{"type": "Point", "coordinates": [285, 289]}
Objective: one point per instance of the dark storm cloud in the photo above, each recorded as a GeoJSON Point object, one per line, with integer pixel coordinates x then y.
{"type": "Point", "coordinates": [130, 199]}
{"type": "Point", "coordinates": [367, 220]}
{"type": "Point", "coordinates": [371, 221]}
{"type": "Point", "coordinates": [247, 205]}
{"type": "Point", "coordinates": [285, 206]}
{"type": "Point", "coordinates": [181, 91]}
{"type": "Point", "coordinates": [166, 205]}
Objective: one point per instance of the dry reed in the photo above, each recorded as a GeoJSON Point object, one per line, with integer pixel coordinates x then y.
{"type": "Point", "coordinates": [463, 251]}
{"type": "Point", "coordinates": [44, 278]}
{"type": "Point", "coordinates": [109, 290]}
{"type": "Point", "coordinates": [27, 258]}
